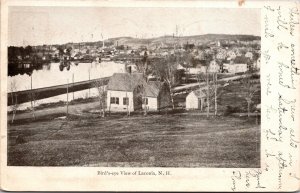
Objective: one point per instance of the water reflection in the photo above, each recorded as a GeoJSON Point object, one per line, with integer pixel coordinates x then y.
{"type": "Point", "coordinates": [26, 68]}
{"type": "Point", "coordinates": [51, 75]}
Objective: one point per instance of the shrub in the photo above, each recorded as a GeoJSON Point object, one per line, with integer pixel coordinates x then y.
{"type": "Point", "coordinates": [20, 139]}
{"type": "Point", "coordinates": [230, 110]}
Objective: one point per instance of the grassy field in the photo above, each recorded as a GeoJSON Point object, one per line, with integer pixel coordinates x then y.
{"type": "Point", "coordinates": [185, 139]}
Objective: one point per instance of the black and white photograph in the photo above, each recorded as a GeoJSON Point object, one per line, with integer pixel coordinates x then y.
{"type": "Point", "coordinates": [141, 87]}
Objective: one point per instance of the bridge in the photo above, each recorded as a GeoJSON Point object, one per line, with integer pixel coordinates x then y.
{"type": "Point", "coordinates": [46, 92]}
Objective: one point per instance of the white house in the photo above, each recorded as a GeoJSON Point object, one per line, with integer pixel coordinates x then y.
{"type": "Point", "coordinates": [131, 67]}
{"type": "Point", "coordinates": [195, 99]}
{"type": "Point", "coordinates": [123, 90]}
{"type": "Point", "coordinates": [156, 96]}
{"type": "Point", "coordinates": [129, 92]}
{"type": "Point", "coordinates": [257, 64]}
{"type": "Point", "coordinates": [235, 68]}
{"type": "Point", "coordinates": [213, 67]}
{"type": "Point", "coordinates": [238, 65]}
{"type": "Point", "coordinates": [179, 67]}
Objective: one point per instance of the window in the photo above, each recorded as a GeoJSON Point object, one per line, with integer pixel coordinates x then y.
{"type": "Point", "coordinates": [145, 101]}
{"type": "Point", "coordinates": [125, 101]}
{"type": "Point", "coordinates": [114, 100]}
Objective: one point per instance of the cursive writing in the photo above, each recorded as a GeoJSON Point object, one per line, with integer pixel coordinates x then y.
{"type": "Point", "coordinates": [281, 23]}
{"type": "Point", "coordinates": [294, 13]}
{"type": "Point", "coordinates": [268, 32]}
{"type": "Point", "coordinates": [236, 175]}
{"type": "Point", "coordinates": [281, 166]}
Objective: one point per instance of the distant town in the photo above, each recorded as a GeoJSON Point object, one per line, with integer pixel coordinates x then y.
{"type": "Point", "coordinates": [232, 53]}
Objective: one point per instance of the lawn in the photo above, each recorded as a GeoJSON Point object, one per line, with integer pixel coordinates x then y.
{"type": "Point", "coordinates": [169, 140]}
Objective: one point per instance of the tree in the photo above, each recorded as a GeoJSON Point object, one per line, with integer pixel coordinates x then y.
{"type": "Point", "coordinates": [142, 67]}
{"type": "Point", "coordinates": [101, 88]}
{"type": "Point", "coordinates": [250, 90]}
{"type": "Point", "coordinates": [208, 79]}
{"type": "Point", "coordinates": [166, 70]}
{"type": "Point", "coordinates": [215, 89]}
{"type": "Point", "coordinates": [14, 99]}
{"type": "Point", "coordinates": [68, 51]}
{"type": "Point", "coordinates": [32, 95]}
{"type": "Point", "coordinates": [61, 51]}
{"type": "Point", "coordinates": [28, 50]}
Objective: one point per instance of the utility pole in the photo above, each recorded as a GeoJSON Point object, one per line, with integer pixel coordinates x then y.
{"type": "Point", "coordinates": [89, 81]}
{"type": "Point", "coordinates": [73, 84]}
{"type": "Point", "coordinates": [31, 96]}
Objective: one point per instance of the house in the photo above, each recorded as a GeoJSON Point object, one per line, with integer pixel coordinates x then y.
{"type": "Point", "coordinates": [249, 55]}
{"type": "Point", "coordinates": [129, 92]}
{"type": "Point", "coordinates": [131, 68]}
{"type": "Point", "coordinates": [156, 96]}
{"type": "Point", "coordinates": [257, 64]}
{"type": "Point", "coordinates": [144, 53]}
{"type": "Point", "coordinates": [235, 68]}
{"type": "Point", "coordinates": [123, 92]}
{"type": "Point", "coordinates": [196, 99]}
{"type": "Point", "coordinates": [180, 67]}
{"type": "Point", "coordinates": [239, 65]}
{"type": "Point", "coordinates": [213, 67]}
{"type": "Point", "coordinates": [199, 69]}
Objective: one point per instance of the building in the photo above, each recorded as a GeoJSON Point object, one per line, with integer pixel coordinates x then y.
{"type": "Point", "coordinates": [196, 99]}
{"type": "Point", "coordinates": [129, 92]}
{"type": "Point", "coordinates": [257, 64]}
{"type": "Point", "coordinates": [123, 91]}
{"type": "Point", "coordinates": [239, 65]}
{"type": "Point", "coordinates": [213, 67]}
{"type": "Point", "coordinates": [157, 96]}
{"type": "Point", "coordinates": [235, 68]}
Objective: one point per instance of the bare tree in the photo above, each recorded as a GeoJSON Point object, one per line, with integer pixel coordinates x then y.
{"type": "Point", "coordinates": [215, 89]}
{"type": "Point", "coordinates": [250, 89]}
{"type": "Point", "coordinates": [14, 99]}
{"type": "Point", "coordinates": [206, 78]}
{"type": "Point", "coordinates": [142, 67]}
{"type": "Point", "coordinates": [166, 71]}
{"type": "Point", "coordinates": [32, 95]}
{"type": "Point", "coordinates": [101, 88]}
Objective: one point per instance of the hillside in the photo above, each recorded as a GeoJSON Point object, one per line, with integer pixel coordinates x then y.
{"type": "Point", "coordinates": [170, 40]}
{"type": "Point", "coordinates": [166, 41]}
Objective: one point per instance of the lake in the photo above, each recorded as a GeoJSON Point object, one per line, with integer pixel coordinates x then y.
{"type": "Point", "coordinates": [51, 75]}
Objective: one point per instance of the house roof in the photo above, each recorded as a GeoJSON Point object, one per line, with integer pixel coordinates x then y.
{"type": "Point", "coordinates": [241, 60]}
{"type": "Point", "coordinates": [124, 81]}
{"type": "Point", "coordinates": [152, 88]}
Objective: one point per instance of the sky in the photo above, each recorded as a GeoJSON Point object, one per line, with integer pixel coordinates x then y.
{"type": "Point", "coordinates": [58, 25]}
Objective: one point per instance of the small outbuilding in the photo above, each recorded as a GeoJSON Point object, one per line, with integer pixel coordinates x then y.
{"type": "Point", "coordinates": [196, 99]}
{"type": "Point", "coordinates": [157, 96]}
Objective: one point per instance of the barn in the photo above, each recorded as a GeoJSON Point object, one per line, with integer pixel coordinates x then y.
{"type": "Point", "coordinates": [157, 96]}
{"type": "Point", "coordinates": [196, 99]}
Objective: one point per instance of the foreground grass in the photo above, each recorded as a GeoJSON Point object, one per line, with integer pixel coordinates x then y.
{"type": "Point", "coordinates": [178, 140]}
